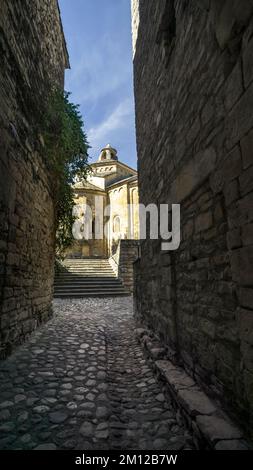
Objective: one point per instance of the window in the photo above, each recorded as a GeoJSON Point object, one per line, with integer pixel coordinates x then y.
{"type": "Point", "coordinates": [116, 224]}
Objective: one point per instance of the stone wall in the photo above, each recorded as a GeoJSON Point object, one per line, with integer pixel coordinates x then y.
{"type": "Point", "coordinates": [193, 68]}
{"type": "Point", "coordinates": [32, 56]}
{"type": "Point", "coordinates": [122, 262]}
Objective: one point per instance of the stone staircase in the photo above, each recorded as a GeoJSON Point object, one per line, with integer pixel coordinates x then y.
{"type": "Point", "coordinates": [87, 278]}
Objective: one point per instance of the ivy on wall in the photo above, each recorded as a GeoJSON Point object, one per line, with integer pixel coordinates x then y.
{"type": "Point", "coordinates": [66, 154]}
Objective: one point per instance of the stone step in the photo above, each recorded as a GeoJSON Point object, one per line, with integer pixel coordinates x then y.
{"type": "Point", "coordinates": [89, 271]}
{"type": "Point", "coordinates": [80, 295]}
{"type": "Point", "coordinates": [72, 282]}
{"type": "Point", "coordinates": [86, 264]}
{"type": "Point", "coordinates": [75, 290]}
{"type": "Point", "coordinates": [105, 269]}
{"type": "Point", "coordinates": [97, 263]}
{"type": "Point", "coordinates": [87, 278]}
{"type": "Point", "coordinates": [85, 275]}
{"type": "Point", "coordinates": [87, 282]}
{"type": "Point", "coordinates": [87, 268]}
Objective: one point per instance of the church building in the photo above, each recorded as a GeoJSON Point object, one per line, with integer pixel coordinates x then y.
{"type": "Point", "coordinates": [115, 184]}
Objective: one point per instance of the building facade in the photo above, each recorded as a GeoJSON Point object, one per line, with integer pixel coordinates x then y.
{"type": "Point", "coordinates": [113, 187]}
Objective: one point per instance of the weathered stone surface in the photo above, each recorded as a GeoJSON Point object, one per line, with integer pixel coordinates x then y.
{"type": "Point", "coordinates": [175, 377]}
{"type": "Point", "coordinates": [234, 239]}
{"type": "Point", "coordinates": [87, 429]}
{"type": "Point", "coordinates": [246, 297]}
{"type": "Point", "coordinates": [30, 66]}
{"type": "Point", "coordinates": [196, 402]}
{"type": "Point", "coordinates": [102, 412]}
{"type": "Point", "coordinates": [165, 366]}
{"type": "Point", "coordinates": [247, 150]}
{"type": "Point", "coordinates": [178, 379]}
{"type": "Point", "coordinates": [194, 126]}
{"type": "Point", "coordinates": [232, 445]}
{"type": "Point", "coordinates": [234, 87]}
{"type": "Point", "coordinates": [122, 262]}
{"type": "Point", "coordinates": [247, 234]}
{"type": "Point", "coordinates": [248, 63]}
{"type": "Point", "coordinates": [216, 429]}
{"type": "Point", "coordinates": [245, 318]}
{"type": "Point", "coordinates": [49, 446]}
{"type": "Point", "coordinates": [57, 417]}
{"type": "Point", "coordinates": [133, 410]}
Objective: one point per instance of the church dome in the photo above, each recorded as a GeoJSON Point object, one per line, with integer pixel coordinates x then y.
{"type": "Point", "coordinates": [108, 153]}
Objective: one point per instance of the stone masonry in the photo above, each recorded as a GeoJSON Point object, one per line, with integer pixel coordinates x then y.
{"type": "Point", "coordinates": [82, 382]}
{"type": "Point", "coordinates": [32, 56]}
{"type": "Point", "coordinates": [122, 262]}
{"type": "Point", "coordinates": [193, 76]}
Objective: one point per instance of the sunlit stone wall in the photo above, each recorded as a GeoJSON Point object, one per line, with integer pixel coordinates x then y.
{"type": "Point", "coordinates": [33, 55]}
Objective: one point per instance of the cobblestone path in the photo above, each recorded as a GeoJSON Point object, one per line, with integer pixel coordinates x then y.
{"type": "Point", "coordinates": [82, 382]}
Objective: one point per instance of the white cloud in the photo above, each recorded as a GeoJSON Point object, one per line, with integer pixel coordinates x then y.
{"type": "Point", "coordinates": [120, 118]}
{"type": "Point", "coordinates": [99, 71]}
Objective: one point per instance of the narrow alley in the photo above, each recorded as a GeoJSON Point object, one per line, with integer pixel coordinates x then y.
{"type": "Point", "coordinates": [82, 382]}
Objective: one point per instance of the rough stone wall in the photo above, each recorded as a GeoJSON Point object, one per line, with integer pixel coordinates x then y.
{"type": "Point", "coordinates": [32, 55]}
{"type": "Point", "coordinates": [122, 262]}
{"type": "Point", "coordinates": [193, 68]}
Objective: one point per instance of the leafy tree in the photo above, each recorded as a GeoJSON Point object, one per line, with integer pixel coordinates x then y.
{"type": "Point", "coordinates": [66, 153]}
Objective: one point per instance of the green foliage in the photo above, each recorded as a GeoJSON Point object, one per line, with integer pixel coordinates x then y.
{"type": "Point", "coordinates": [66, 153]}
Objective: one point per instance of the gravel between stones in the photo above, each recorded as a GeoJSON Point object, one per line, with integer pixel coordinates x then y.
{"type": "Point", "coordinates": [82, 382]}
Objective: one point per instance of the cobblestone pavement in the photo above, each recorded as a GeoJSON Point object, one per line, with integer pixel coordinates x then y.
{"type": "Point", "coordinates": [82, 382]}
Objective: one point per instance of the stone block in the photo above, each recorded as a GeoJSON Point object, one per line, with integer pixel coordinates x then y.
{"type": "Point", "coordinates": [7, 187]}
{"type": "Point", "coordinates": [248, 383]}
{"type": "Point", "coordinates": [178, 379]}
{"type": "Point", "coordinates": [234, 239]}
{"type": "Point", "coordinates": [215, 429]}
{"type": "Point", "coordinates": [203, 221]}
{"type": "Point", "coordinates": [246, 297]}
{"type": "Point", "coordinates": [232, 166]}
{"type": "Point", "coordinates": [196, 402]}
{"type": "Point", "coordinates": [224, 24]}
{"type": "Point", "coordinates": [246, 181]}
{"type": "Point", "coordinates": [247, 150]}
{"type": "Point", "coordinates": [193, 174]}
{"type": "Point", "coordinates": [235, 444]}
{"type": "Point", "coordinates": [165, 367]}
{"type": "Point", "coordinates": [218, 212]}
{"type": "Point", "coordinates": [157, 353]}
{"type": "Point", "coordinates": [188, 229]}
{"type": "Point", "coordinates": [216, 182]}
{"type": "Point", "coordinates": [240, 120]}
{"type": "Point", "coordinates": [245, 318]}
{"type": "Point", "coordinates": [246, 263]}
{"type": "Point", "coordinates": [247, 234]}
{"type": "Point", "coordinates": [245, 209]}
{"type": "Point", "coordinates": [203, 4]}
{"type": "Point", "coordinates": [233, 87]}
{"type": "Point", "coordinates": [207, 112]}
{"type": "Point", "coordinates": [231, 192]}
{"type": "Point", "coordinates": [248, 63]}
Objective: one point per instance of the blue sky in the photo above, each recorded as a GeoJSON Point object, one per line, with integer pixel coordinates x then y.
{"type": "Point", "coordinates": [98, 35]}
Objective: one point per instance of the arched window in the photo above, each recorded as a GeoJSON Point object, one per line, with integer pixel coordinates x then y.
{"type": "Point", "coordinates": [116, 224]}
